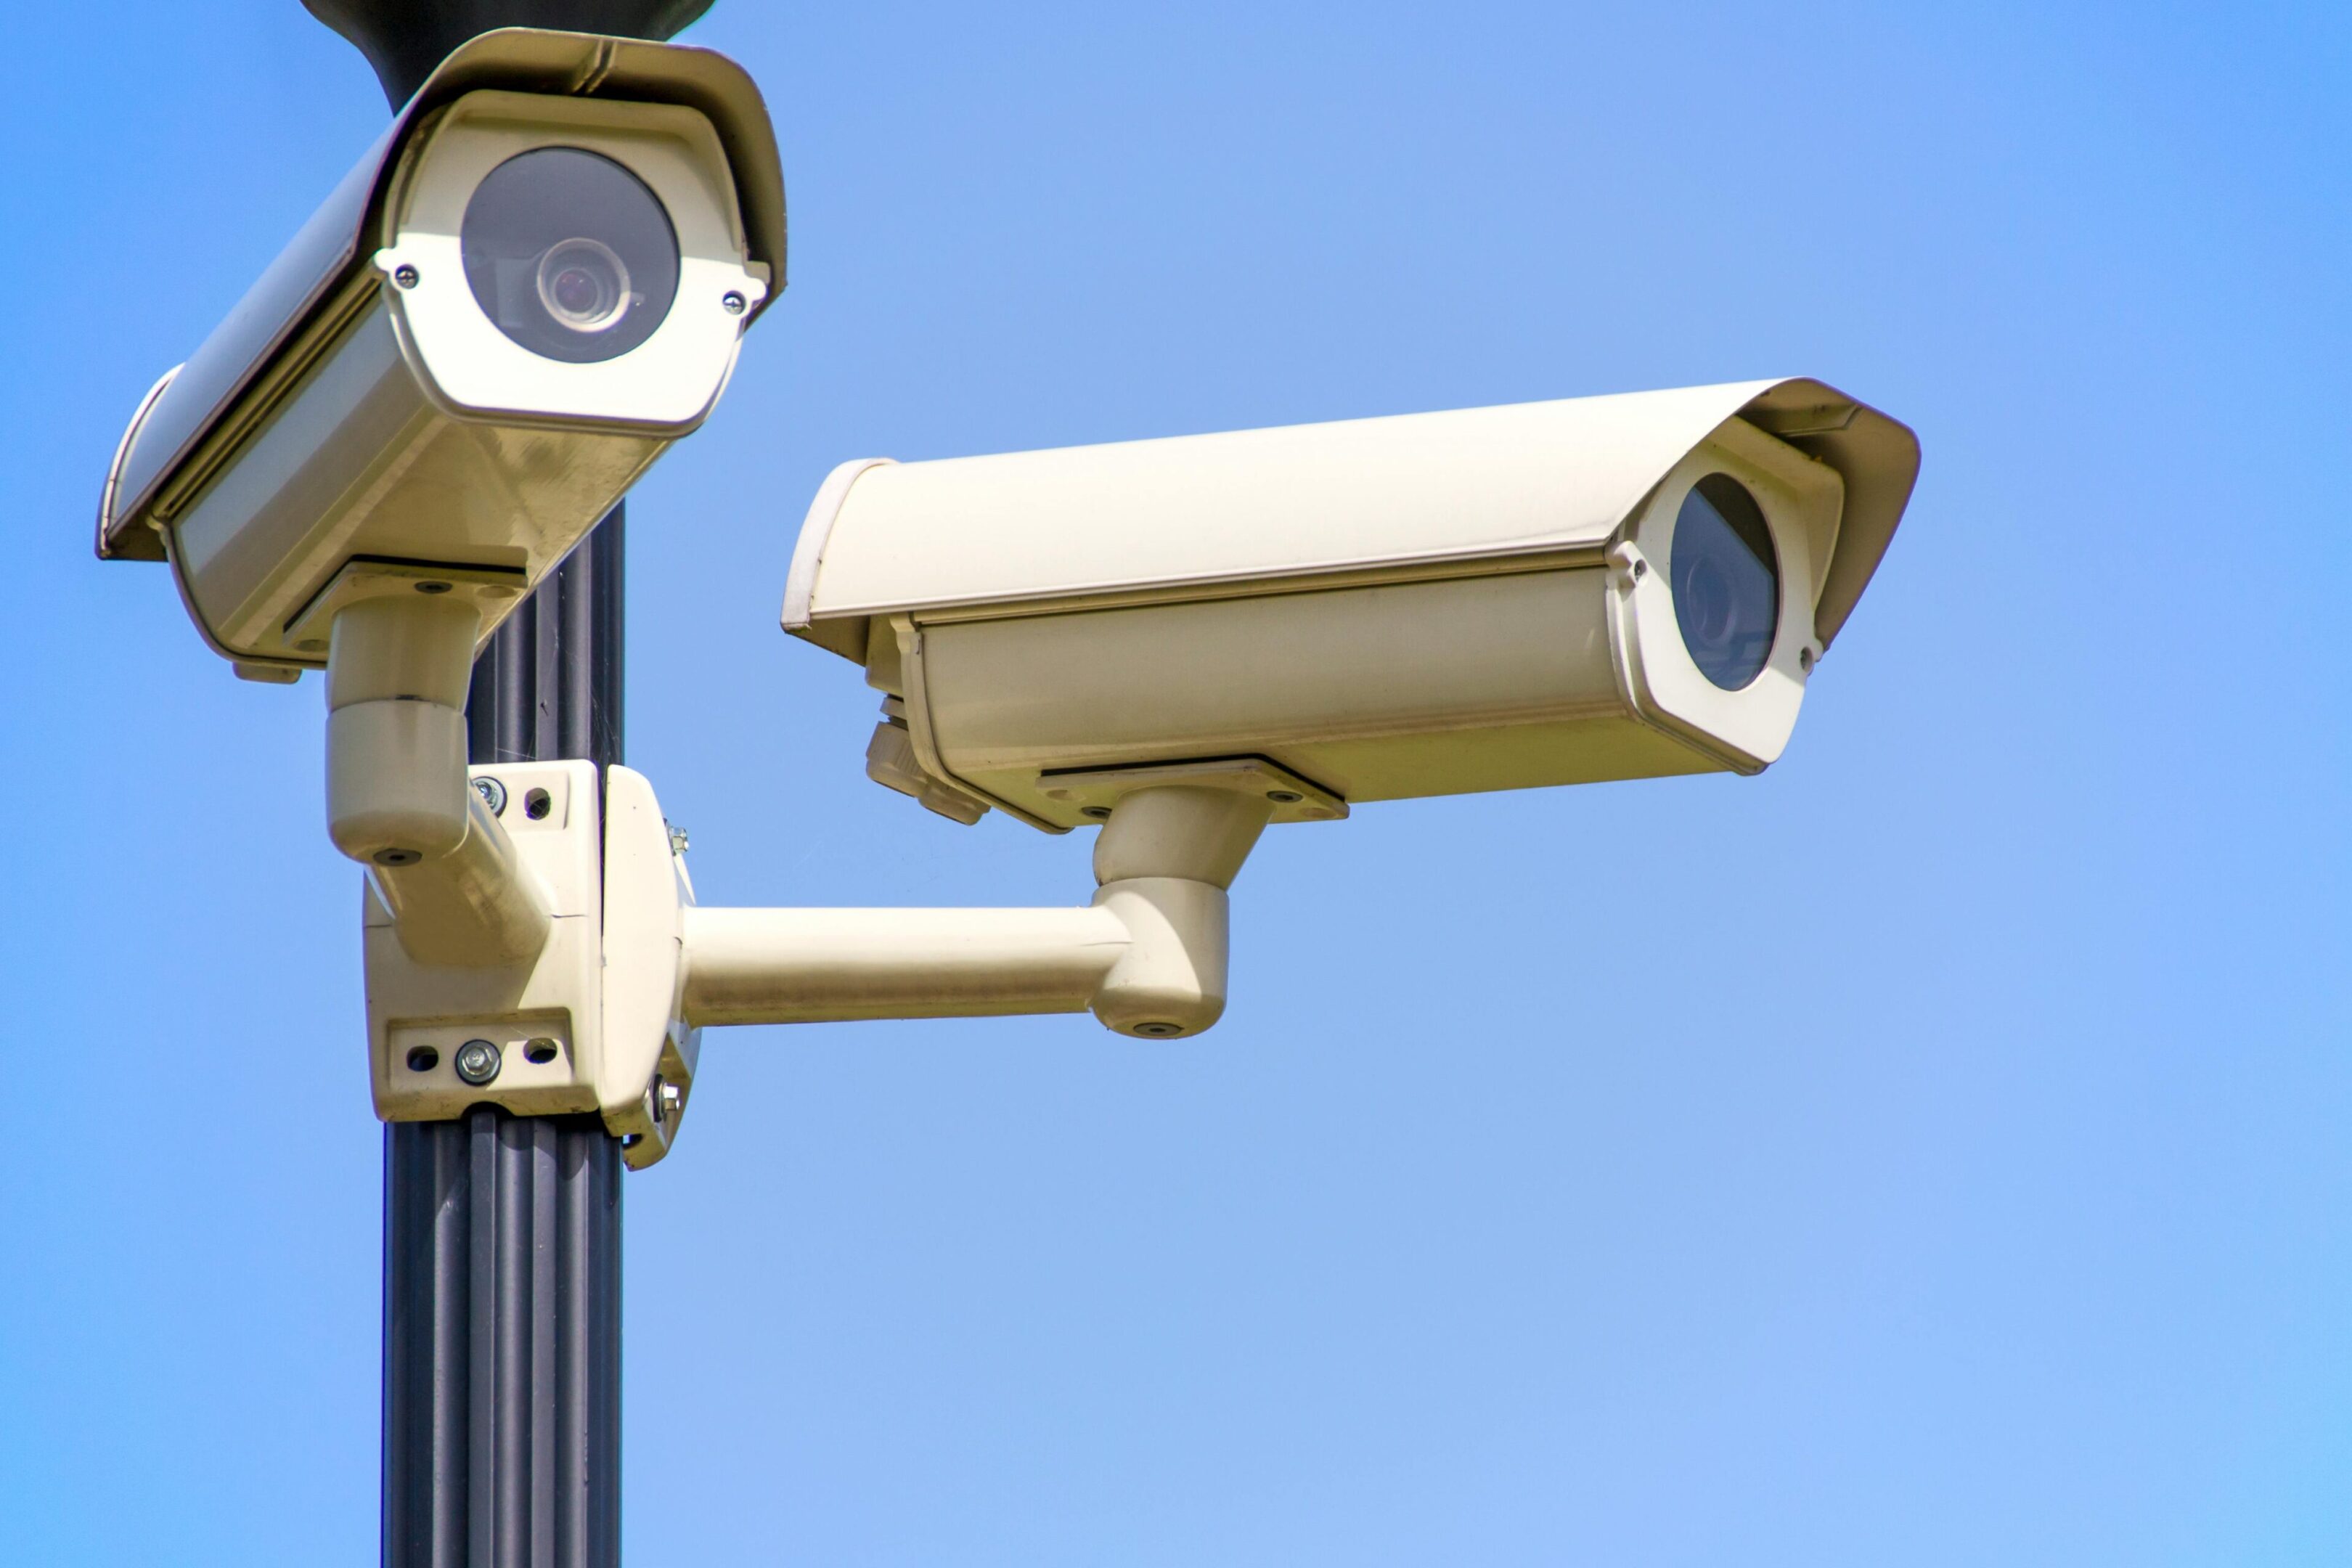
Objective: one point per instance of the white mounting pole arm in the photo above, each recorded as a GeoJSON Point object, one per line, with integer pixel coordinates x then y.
{"type": "Point", "coordinates": [526, 967]}
{"type": "Point", "coordinates": [806, 967]}
{"type": "Point", "coordinates": [1148, 956]}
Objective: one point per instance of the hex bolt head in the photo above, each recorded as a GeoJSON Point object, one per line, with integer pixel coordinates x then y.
{"type": "Point", "coordinates": [477, 1062]}
{"type": "Point", "coordinates": [493, 793]}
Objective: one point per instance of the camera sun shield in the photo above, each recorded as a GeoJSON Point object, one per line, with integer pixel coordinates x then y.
{"type": "Point", "coordinates": [533, 282]}
{"type": "Point", "coordinates": [1540, 594]}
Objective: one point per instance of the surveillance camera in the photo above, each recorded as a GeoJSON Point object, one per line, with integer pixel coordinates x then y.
{"type": "Point", "coordinates": [533, 284]}
{"type": "Point", "coordinates": [1545, 593]}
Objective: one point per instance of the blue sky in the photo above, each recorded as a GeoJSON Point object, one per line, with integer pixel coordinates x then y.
{"type": "Point", "coordinates": [1937, 1150]}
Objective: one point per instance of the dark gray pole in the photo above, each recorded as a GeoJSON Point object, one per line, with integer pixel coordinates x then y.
{"type": "Point", "coordinates": [503, 1232]}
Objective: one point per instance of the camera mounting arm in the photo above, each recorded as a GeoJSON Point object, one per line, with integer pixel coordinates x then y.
{"type": "Point", "coordinates": [602, 1009]}
{"type": "Point", "coordinates": [397, 797]}
{"type": "Point", "coordinates": [1148, 957]}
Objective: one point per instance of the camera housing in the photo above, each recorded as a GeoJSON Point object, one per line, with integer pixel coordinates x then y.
{"type": "Point", "coordinates": [533, 283]}
{"type": "Point", "coordinates": [1542, 594]}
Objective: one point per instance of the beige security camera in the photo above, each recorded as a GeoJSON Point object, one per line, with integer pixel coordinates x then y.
{"type": "Point", "coordinates": [1496, 598]}
{"type": "Point", "coordinates": [533, 284]}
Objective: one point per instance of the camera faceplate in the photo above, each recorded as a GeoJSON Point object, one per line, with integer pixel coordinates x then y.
{"type": "Point", "coordinates": [1802, 500]}
{"type": "Point", "coordinates": [666, 383]}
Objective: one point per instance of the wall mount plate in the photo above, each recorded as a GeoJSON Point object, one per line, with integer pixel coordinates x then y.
{"type": "Point", "coordinates": [1093, 792]}
{"type": "Point", "coordinates": [494, 591]}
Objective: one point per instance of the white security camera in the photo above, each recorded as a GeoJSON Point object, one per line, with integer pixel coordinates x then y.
{"type": "Point", "coordinates": [533, 284]}
{"type": "Point", "coordinates": [1497, 598]}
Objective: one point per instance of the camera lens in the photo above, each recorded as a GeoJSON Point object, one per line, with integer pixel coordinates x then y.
{"type": "Point", "coordinates": [583, 285]}
{"type": "Point", "coordinates": [1727, 582]}
{"type": "Point", "coordinates": [569, 254]}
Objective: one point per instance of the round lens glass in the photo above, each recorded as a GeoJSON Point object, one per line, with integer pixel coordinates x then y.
{"type": "Point", "coordinates": [1727, 582]}
{"type": "Point", "coordinates": [569, 254]}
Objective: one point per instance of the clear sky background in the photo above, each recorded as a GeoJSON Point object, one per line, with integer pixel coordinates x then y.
{"type": "Point", "coordinates": [1938, 1151]}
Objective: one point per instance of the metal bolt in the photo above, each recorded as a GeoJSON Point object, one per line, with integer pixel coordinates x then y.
{"type": "Point", "coordinates": [659, 1099]}
{"type": "Point", "coordinates": [477, 1062]}
{"type": "Point", "coordinates": [735, 303]}
{"type": "Point", "coordinates": [678, 841]}
{"type": "Point", "coordinates": [404, 275]}
{"type": "Point", "coordinates": [493, 793]}
{"type": "Point", "coordinates": [673, 1100]}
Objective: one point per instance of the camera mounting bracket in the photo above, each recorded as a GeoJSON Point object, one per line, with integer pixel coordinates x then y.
{"type": "Point", "coordinates": [1095, 792]}
{"type": "Point", "coordinates": [604, 1011]}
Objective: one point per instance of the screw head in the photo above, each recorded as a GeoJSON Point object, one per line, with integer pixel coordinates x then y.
{"type": "Point", "coordinates": [733, 303]}
{"type": "Point", "coordinates": [493, 793]}
{"type": "Point", "coordinates": [404, 275]}
{"type": "Point", "coordinates": [477, 1062]}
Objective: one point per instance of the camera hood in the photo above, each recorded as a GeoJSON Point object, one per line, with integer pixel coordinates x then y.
{"type": "Point", "coordinates": [330, 256]}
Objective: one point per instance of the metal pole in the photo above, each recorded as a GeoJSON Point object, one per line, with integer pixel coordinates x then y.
{"type": "Point", "coordinates": [503, 1232]}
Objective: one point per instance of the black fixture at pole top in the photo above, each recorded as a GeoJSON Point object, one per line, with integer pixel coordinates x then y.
{"type": "Point", "coordinates": [405, 39]}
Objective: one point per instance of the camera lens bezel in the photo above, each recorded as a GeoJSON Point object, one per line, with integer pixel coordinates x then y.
{"type": "Point", "coordinates": [1797, 504]}
{"type": "Point", "coordinates": [561, 209]}
{"type": "Point", "coordinates": [614, 289]}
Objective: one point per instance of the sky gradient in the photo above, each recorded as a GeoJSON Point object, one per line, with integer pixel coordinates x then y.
{"type": "Point", "coordinates": [1936, 1150]}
